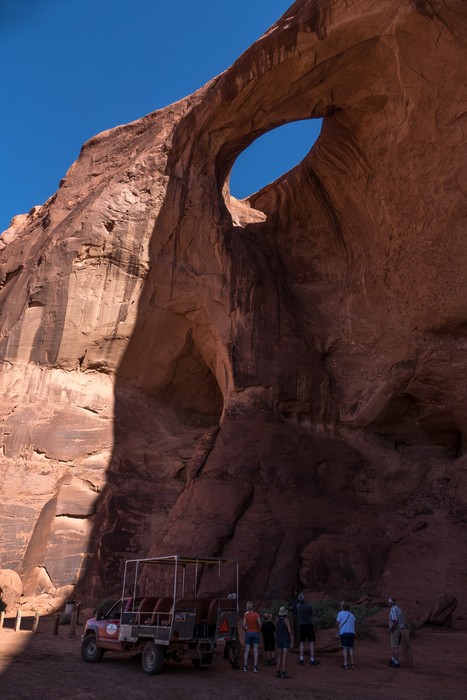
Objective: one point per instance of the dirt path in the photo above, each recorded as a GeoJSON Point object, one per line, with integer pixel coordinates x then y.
{"type": "Point", "coordinates": [45, 666]}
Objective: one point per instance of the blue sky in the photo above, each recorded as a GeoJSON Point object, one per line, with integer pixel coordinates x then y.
{"type": "Point", "coordinates": [73, 68]}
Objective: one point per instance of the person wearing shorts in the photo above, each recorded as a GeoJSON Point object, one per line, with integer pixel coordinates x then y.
{"type": "Point", "coordinates": [346, 630]}
{"type": "Point", "coordinates": [252, 627]}
{"type": "Point", "coordinates": [268, 632]}
{"type": "Point", "coordinates": [284, 639]}
{"type": "Point", "coordinates": [306, 630]}
{"type": "Point", "coordinates": [396, 625]}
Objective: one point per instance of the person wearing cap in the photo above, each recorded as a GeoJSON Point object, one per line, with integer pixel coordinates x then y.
{"type": "Point", "coordinates": [284, 639]}
{"type": "Point", "coordinates": [396, 625]}
{"type": "Point", "coordinates": [306, 629]}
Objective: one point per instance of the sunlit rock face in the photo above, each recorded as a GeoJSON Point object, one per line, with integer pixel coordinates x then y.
{"type": "Point", "coordinates": [280, 379]}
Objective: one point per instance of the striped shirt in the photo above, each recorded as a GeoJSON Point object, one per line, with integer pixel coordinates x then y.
{"type": "Point", "coordinates": [396, 615]}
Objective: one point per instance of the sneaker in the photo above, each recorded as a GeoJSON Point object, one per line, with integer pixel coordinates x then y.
{"type": "Point", "coordinates": [394, 664]}
{"type": "Point", "coordinates": [285, 675]}
{"type": "Point", "coordinates": [353, 666]}
{"type": "Point", "coordinates": [255, 669]}
{"type": "Point", "coordinates": [278, 674]}
{"type": "Point", "coordinates": [314, 662]}
{"type": "Point", "coordinates": [344, 666]}
{"type": "Point", "coordinates": [245, 669]}
{"type": "Point", "coordinates": [301, 662]}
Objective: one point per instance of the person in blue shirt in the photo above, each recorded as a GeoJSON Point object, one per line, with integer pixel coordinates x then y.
{"type": "Point", "coordinates": [346, 631]}
{"type": "Point", "coordinates": [396, 625]}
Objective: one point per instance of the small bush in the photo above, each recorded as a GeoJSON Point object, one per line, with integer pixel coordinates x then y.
{"type": "Point", "coordinates": [325, 613]}
{"type": "Point", "coordinates": [273, 609]}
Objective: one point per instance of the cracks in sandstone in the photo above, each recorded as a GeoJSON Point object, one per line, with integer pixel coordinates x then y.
{"type": "Point", "coordinates": [10, 276]}
{"type": "Point", "coordinates": [229, 536]}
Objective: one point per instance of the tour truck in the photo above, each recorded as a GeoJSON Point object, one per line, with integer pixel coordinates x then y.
{"type": "Point", "coordinates": [171, 608]}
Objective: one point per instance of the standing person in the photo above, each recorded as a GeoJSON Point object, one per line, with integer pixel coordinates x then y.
{"type": "Point", "coordinates": [268, 629]}
{"type": "Point", "coordinates": [306, 629]}
{"type": "Point", "coordinates": [292, 608]}
{"type": "Point", "coordinates": [346, 631]}
{"type": "Point", "coordinates": [396, 625]}
{"type": "Point", "coordinates": [252, 627]}
{"type": "Point", "coordinates": [232, 650]}
{"type": "Point", "coordinates": [284, 638]}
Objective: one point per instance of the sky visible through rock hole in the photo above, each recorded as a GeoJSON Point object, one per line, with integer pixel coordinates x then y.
{"type": "Point", "coordinates": [74, 68]}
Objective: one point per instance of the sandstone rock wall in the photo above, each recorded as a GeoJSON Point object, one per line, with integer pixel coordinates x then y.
{"type": "Point", "coordinates": [279, 379]}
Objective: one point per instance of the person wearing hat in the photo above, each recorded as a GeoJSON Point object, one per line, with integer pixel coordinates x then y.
{"type": "Point", "coordinates": [284, 638]}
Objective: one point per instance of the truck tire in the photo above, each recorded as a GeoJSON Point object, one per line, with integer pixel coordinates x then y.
{"type": "Point", "coordinates": [152, 658]}
{"type": "Point", "coordinates": [89, 649]}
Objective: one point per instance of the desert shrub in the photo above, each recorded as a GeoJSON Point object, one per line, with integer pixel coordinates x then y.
{"type": "Point", "coordinates": [325, 613]}
{"type": "Point", "coordinates": [273, 608]}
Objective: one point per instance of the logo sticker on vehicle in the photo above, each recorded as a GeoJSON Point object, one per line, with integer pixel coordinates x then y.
{"type": "Point", "coordinates": [111, 628]}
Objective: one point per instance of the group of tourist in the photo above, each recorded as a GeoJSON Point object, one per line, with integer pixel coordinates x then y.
{"type": "Point", "coordinates": [294, 628]}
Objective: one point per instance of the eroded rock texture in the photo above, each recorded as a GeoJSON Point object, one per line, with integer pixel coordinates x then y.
{"type": "Point", "coordinates": [280, 379]}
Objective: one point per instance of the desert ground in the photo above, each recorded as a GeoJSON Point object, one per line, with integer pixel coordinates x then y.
{"type": "Point", "coordinates": [43, 665]}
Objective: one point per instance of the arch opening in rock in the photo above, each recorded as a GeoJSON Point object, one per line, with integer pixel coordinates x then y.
{"type": "Point", "coordinates": [272, 155]}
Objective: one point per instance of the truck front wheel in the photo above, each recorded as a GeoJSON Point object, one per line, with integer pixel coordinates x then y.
{"type": "Point", "coordinates": [152, 658]}
{"type": "Point", "coordinates": [89, 649]}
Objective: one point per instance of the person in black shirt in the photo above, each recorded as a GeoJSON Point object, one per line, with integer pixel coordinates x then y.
{"type": "Point", "coordinates": [268, 629]}
{"type": "Point", "coordinates": [292, 608]}
{"type": "Point", "coordinates": [306, 629]}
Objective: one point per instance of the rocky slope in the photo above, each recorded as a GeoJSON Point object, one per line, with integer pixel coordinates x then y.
{"type": "Point", "coordinates": [280, 379]}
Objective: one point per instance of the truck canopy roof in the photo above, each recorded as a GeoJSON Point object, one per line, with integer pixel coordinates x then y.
{"type": "Point", "coordinates": [180, 559]}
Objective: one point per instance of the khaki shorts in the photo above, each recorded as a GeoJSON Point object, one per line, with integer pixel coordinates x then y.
{"type": "Point", "coordinates": [396, 638]}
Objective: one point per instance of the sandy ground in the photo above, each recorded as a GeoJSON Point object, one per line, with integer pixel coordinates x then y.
{"type": "Point", "coordinates": [43, 665]}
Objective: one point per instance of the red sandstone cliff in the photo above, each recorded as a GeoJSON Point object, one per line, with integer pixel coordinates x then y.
{"type": "Point", "coordinates": [280, 379]}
